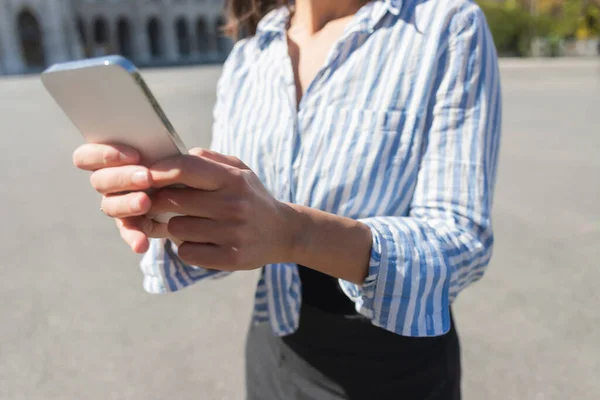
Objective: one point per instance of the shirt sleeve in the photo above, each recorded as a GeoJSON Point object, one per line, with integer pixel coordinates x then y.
{"type": "Point", "coordinates": [163, 270]}
{"type": "Point", "coordinates": [420, 262]}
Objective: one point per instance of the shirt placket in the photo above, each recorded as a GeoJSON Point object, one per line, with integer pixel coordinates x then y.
{"type": "Point", "coordinates": [288, 138]}
{"type": "Point", "coordinates": [301, 112]}
{"type": "Point", "coordinates": [289, 166]}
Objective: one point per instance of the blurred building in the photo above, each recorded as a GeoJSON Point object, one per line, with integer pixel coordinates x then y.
{"type": "Point", "coordinates": [37, 33]}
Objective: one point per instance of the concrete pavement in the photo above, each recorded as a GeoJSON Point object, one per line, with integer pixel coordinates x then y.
{"type": "Point", "coordinates": [77, 324]}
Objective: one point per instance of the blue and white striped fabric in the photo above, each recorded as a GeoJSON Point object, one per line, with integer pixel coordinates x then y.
{"type": "Point", "coordinates": [400, 129]}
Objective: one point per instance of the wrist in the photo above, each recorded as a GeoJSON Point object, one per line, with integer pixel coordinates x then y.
{"type": "Point", "coordinates": [334, 245]}
{"type": "Point", "coordinates": [296, 232]}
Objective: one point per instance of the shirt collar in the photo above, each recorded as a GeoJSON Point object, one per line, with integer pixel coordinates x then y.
{"type": "Point", "coordinates": [275, 22]}
{"type": "Point", "coordinates": [394, 6]}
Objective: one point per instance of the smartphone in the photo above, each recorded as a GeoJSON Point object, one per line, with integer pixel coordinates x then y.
{"type": "Point", "coordinates": [109, 103]}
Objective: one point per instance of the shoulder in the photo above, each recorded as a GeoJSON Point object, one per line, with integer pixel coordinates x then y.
{"type": "Point", "coordinates": [448, 17]}
{"type": "Point", "coordinates": [243, 50]}
{"type": "Point", "coordinates": [236, 65]}
{"type": "Point", "coordinates": [247, 50]}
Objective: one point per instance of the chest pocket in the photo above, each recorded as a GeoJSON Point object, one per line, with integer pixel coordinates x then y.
{"type": "Point", "coordinates": [352, 159]}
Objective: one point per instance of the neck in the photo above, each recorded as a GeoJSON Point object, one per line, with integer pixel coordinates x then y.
{"type": "Point", "coordinates": [313, 15]}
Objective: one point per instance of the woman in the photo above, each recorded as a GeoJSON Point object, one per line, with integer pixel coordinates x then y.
{"type": "Point", "coordinates": [353, 161]}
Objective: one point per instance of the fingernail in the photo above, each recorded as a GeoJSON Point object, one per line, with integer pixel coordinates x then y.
{"type": "Point", "coordinates": [135, 204]}
{"type": "Point", "coordinates": [140, 178]}
{"type": "Point", "coordinates": [126, 156]}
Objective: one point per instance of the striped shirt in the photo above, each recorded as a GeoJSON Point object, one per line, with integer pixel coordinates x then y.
{"type": "Point", "coordinates": [399, 129]}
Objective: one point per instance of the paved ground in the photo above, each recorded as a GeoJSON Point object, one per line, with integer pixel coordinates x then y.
{"type": "Point", "coordinates": [77, 325]}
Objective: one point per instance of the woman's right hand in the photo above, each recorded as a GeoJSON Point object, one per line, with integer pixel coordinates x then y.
{"type": "Point", "coordinates": [122, 182]}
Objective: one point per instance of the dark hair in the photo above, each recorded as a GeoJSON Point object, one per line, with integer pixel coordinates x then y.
{"type": "Point", "coordinates": [243, 15]}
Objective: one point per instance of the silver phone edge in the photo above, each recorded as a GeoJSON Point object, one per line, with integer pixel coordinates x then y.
{"type": "Point", "coordinates": [132, 70]}
{"type": "Point", "coordinates": [159, 112]}
{"type": "Point", "coordinates": [93, 62]}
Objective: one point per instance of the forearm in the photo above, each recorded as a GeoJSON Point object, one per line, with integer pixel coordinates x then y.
{"type": "Point", "coordinates": [337, 246]}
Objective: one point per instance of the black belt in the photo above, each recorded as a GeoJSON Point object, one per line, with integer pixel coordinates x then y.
{"type": "Point", "coordinates": [323, 292]}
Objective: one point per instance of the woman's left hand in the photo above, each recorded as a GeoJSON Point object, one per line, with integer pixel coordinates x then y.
{"type": "Point", "coordinates": [231, 222]}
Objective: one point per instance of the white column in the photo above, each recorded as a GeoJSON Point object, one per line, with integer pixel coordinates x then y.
{"type": "Point", "coordinates": [113, 42]}
{"type": "Point", "coordinates": [113, 34]}
{"type": "Point", "coordinates": [195, 53]}
{"type": "Point", "coordinates": [2, 34]}
{"type": "Point", "coordinates": [9, 38]}
{"type": "Point", "coordinates": [171, 45]}
{"type": "Point", "coordinates": [215, 37]}
{"type": "Point", "coordinates": [73, 40]}
{"type": "Point", "coordinates": [170, 38]}
{"type": "Point", "coordinates": [140, 42]}
{"type": "Point", "coordinates": [53, 35]}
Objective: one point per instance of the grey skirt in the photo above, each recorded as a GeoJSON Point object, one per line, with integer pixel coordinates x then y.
{"type": "Point", "coordinates": [334, 357]}
{"type": "Point", "coordinates": [275, 372]}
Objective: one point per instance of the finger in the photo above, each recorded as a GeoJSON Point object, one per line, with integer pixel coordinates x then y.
{"type": "Point", "coordinates": [121, 179]}
{"type": "Point", "coordinates": [145, 225]}
{"type": "Point", "coordinates": [218, 157]}
{"type": "Point", "coordinates": [135, 238]}
{"type": "Point", "coordinates": [148, 226]}
{"type": "Point", "coordinates": [192, 171]}
{"type": "Point", "coordinates": [201, 230]}
{"type": "Point", "coordinates": [210, 256]}
{"type": "Point", "coordinates": [91, 157]}
{"type": "Point", "coordinates": [197, 203]}
{"type": "Point", "coordinates": [136, 231]}
{"type": "Point", "coordinates": [126, 205]}
{"type": "Point", "coordinates": [152, 229]}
